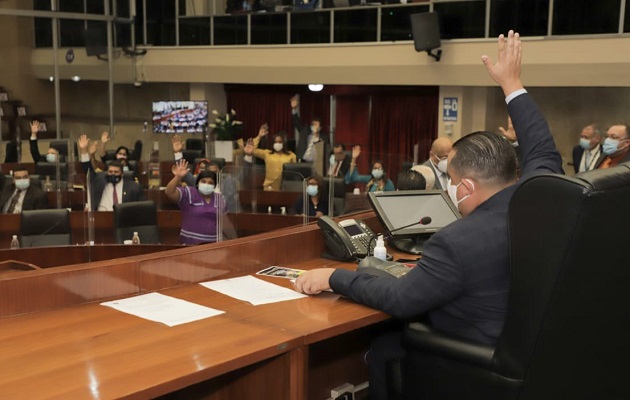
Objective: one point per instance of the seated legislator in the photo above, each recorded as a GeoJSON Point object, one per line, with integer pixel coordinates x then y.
{"type": "Point", "coordinates": [274, 159]}
{"type": "Point", "coordinates": [616, 147]}
{"type": "Point", "coordinates": [377, 181]}
{"type": "Point", "coordinates": [339, 162]}
{"type": "Point", "coordinates": [411, 180]}
{"type": "Point", "coordinates": [121, 154]}
{"type": "Point", "coordinates": [201, 205]}
{"type": "Point", "coordinates": [52, 154]}
{"type": "Point", "coordinates": [21, 195]}
{"type": "Point", "coordinates": [109, 187]}
{"type": "Point", "coordinates": [317, 198]}
{"type": "Point", "coordinates": [461, 283]}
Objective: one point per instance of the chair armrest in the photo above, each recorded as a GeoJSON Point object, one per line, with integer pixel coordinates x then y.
{"type": "Point", "coordinates": [421, 337]}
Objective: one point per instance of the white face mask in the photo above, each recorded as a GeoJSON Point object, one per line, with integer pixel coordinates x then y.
{"type": "Point", "coordinates": [206, 188]}
{"type": "Point", "coordinates": [452, 192]}
{"type": "Point", "coordinates": [51, 158]}
{"type": "Point", "coordinates": [278, 146]}
{"type": "Point", "coordinates": [22, 184]}
{"type": "Point", "coordinates": [442, 165]}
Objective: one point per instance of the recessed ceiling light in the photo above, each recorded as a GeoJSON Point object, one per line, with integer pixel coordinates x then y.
{"type": "Point", "coordinates": [315, 87]}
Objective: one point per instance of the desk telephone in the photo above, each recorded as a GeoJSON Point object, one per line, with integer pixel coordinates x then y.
{"type": "Point", "coordinates": [345, 240]}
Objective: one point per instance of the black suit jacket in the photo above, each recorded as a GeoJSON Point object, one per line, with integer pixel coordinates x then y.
{"type": "Point", "coordinates": [463, 279]}
{"type": "Point", "coordinates": [578, 153]}
{"type": "Point", "coordinates": [343, 169]}
{"type": "Point", "coordinates": [305, 131]}
{"type": "Point", "coordinates": [132, 191]}
{"type": "Point", "coordinates": [35, 198]}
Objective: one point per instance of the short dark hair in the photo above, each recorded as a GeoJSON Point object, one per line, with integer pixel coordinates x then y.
{"type": "Point", "coordinates": [486, 157]}
{"type": "Point", "coordinates": [411, 180]}
{"type": "Point", "coordinates": [115, 163]}
{"type": "Point", "coordinates": [206, 174]}
{"type": "Point", "coordinates": [20, 168]}
{"type": "Point", "coordinates": [343, 146]}
{"type": "Point", "coordinates": [121, 148]}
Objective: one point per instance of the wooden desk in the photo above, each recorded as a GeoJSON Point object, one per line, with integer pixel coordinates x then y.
{"type": "Point", "coordinates": [68, 346]}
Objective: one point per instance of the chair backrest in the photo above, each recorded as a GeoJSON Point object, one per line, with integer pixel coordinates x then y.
{"type": "Point", "coordinates": [339, 194]}
{"type": "Point", "coordinates": [563, 332]}
{"type": "Point", "coordinates": [194, 144]}
{"type": "Point", "coordinates": [137, 216]}
{"type": "Point", "coordinates": [293, 174]}
{"type": "Point", "coordinates": [136, 153]}
{"type": "Point", "coordinates": [45, 228]}
{"type": "Point", "coordinates": [61, 146]}
{"type": "Point", "coordinates": [191, 155]}
{"type": "Point", "coordinates": [44, 169]}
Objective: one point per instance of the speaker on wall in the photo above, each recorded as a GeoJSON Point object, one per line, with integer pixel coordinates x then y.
{"type": "Point", "coordinates": [95, 38]}
{"type": "Point", "coordinates": [425, 29]}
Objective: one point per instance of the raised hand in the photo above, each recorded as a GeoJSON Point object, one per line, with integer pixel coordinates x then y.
{"type": "Point", "coordinates": [180, 169]}
{"type": "Point", "coordinates": [509, 133]}
{"type": "Point", "coordinates": [249, 147]}
{"type": "Point", "coordinates": [34, 127]}
{"type": "Point", "coordinates": [356, 152]}
{"type": "Point", "coordinates": [176, 141]}
{"type": "Point", "coordinates": [105, 137]}
{"type": "Point", "coordinates": [264, 130]}
{"type": "Point", "coordinates": [295, 101]}
{"type": "Point", "coordinates": [507, 70]}
{"type": "Point", "coordinates": [83, 143]}
{"type": "Point", "coordinates": [93, 147]}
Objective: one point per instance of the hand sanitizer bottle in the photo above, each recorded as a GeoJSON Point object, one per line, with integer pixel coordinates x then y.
{"type": "Point", "coordinates": [380, 251]}
{"type": "Point", "coordinates": [15, 243]}
{"type": "Point", "coordinates": [135, 239]}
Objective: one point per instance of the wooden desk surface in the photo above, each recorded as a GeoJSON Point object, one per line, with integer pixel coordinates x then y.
{"type": "Point", "coordinates": [92, 351]}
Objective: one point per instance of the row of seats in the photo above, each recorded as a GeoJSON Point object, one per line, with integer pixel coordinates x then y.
{"type": "Point", "coordinates": [40, 228]}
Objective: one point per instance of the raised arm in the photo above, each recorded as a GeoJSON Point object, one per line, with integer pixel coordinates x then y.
{"type": "Point", "coordinates": [37, 157]}
{"type": "Point", "coordinates": [180, 169]}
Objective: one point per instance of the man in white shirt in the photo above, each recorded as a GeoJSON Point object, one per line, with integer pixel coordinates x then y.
{"type": "Point", "coordinates": [587, 153]}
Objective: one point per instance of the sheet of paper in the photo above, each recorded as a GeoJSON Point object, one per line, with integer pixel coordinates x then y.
{"type": "Point", "coordinates": [281, 272]}
{"type": "Point", "coordinates": [164, 309]}
{"type": "Point", "coordinates": [253, 290]}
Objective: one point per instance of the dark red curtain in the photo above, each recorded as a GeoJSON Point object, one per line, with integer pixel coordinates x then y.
{"type": "Point", "coordinates": [397, 123]}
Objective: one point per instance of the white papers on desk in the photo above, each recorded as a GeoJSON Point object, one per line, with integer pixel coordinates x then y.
{"type": "Point", "coordinates": [253, 290]}
{"type": "Point", "coordinates": [165, 309]}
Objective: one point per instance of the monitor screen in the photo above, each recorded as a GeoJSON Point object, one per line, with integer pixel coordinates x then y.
{"type": "Point", "coordinates": [180, 116]}
{"type": "Point", "coordinates": [398, 209]}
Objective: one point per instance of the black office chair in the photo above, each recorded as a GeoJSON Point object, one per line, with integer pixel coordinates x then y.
{"type": "Point", "coordinates": [45, 228]}
{"type": "Point", "coordinates": [338, 194]}
{"type": "Point", "coordinates": [194, 144]}
{"type": "Point", "coordinates": [137, 216]}
{"type": "Point", "coordinates": [293, 175]}
{"type": "Point", "coordinates": [191, 155]}
{"type": "Point", "coordinates": [565, 333]}
{"type": "Point", "coordinates": [44, 169]}
{"type": "Point", "coordinates": [62, 147]}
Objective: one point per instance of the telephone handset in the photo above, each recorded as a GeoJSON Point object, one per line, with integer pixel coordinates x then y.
{"type": "Point", "coordinates": [345, 240]}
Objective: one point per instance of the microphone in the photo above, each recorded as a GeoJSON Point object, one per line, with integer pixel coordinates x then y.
{"type": "Point", "coordinates": [423, 221]}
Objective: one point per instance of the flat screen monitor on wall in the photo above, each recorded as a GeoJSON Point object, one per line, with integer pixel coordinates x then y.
{"type": "Point", "coordinates": [180, 116]}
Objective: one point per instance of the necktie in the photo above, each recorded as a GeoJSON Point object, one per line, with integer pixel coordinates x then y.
{"type": "Point", "coordinates": [13, 203]}
{"type": "Point", "coordinates": [587, 160]}
{"type": "Point", "coordinates": [115, 195]}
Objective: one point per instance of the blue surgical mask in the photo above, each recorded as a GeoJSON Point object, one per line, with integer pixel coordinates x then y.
{"type": "Point", "coordinates": [51, 158]}
{"type": "Point", "coordinates": [585, 144]}
{"type": "Point", "coordinates": [610, 146]}
{"type": "Point", "coordinates": [377, 173]}
{"type": "Point", "coordinates": [22, 184]}
{"type": "Point", "coordinates": [206, 189]}
{"type": "Point", "coordinates": [311, 190]}
{"type": "Point", "coordinates": [452, 192]}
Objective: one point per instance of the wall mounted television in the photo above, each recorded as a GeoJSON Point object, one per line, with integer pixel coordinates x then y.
{"type": "Point", "coordinates": [188, 116]}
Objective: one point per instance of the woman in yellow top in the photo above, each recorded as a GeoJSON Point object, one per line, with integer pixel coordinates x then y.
{"type": "Point", "coordinates": [274, 159]}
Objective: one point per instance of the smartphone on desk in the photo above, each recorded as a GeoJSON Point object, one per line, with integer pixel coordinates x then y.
{"type": "Point", "coordinates": [346, 239]}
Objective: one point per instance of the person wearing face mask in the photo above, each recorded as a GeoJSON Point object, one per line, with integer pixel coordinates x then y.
{"type": "Point", "coordinates": [21, 195]}
{"type": "Point", "coordinates": [52, 154]}
{"type": "Point", "coordinates": [462, 281]}
{"type": "Point", "coordinates": [108, 187]}
{"type": "Point", "coordinates": [121, 154]}
{"type": "Point", "coordinates": [616, 147]}
{"type": "Point", "coordinates": [339, 161]}
{"type": "Point", "coordinates": [377, 181]}
{"type": "Point", "coordinates": [317, 198]}
{"type": "Point", "coordinates": [588, 152]}
{"type": "Point", "coordinates": [309, 135]}
{"type": "Point", "coordinates": [201, 206]}
{"type": "Point", "coordinates": [438, 155]}
{"type": "Point", "coordinates": [274, 159]}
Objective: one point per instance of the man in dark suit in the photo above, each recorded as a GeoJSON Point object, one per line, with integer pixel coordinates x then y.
{"type": "Point", "coordinates": [21, 195]}
{"type": "Point", "coordinates": [339, 162]}
{"type": "Point", "coordinates": [107, 188]}
{"type": "Point", "coordinates": [587, 154]}
{"type": "Point", "coordinates": [462, 281]}
{"type": "Point", "coordinates": [310, 135]}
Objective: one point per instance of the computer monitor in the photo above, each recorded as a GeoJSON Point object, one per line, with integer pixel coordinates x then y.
{"type": "Point", "coordinates": [412, 216]}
